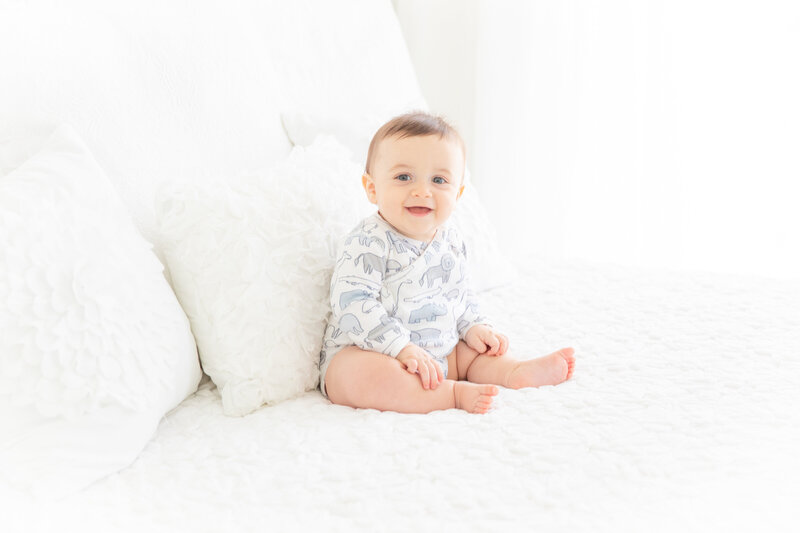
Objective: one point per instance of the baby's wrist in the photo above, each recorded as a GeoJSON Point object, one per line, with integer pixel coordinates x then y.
{"type": "Point", "coordinates": [405, 350]}
{"type": "Point", "coordinates": [480, 325]}
{"type": "Point", "coordinates": [475, 329]}
{"type": "Point", "coordinates": [472, 330]}
{"type": "Point", "coordinates": [393, 350]}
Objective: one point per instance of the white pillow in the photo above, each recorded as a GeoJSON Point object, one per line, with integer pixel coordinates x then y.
{"type": "Point", "coordinates": [251, 263]}
{"type": "Point", "coordinates": [489, 266]}
{"type": "Point", "coordinates": [88, 324]}
{"type": "Point", "coordinates": [353, 130]}
{"type": "Point", "coordinates": [354, 134]}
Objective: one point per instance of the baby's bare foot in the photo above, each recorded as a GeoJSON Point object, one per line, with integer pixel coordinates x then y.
{"type": "Point", "coordinates": [474, 398]}
{"type": "Point", "coordinates": [548, 370]}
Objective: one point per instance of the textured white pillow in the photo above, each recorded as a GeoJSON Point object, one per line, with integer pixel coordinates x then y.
{"type": "Point", "coordinates": [489, 266]}
{"type": "Point", "coordinates": [87, 321]}
{"type": "Point", "coordinates": [352, 130]}
{"type": "Point", "coordinates": [355, 134]}
{"type": "Point", "coordinates": [251, 264]}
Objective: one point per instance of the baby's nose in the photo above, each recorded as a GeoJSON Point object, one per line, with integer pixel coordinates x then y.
{"type": "Point", "coordinates": [421, 190]}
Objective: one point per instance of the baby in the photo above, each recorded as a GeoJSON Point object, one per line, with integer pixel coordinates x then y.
{"type": "Point", "coordinates": [406, 333]}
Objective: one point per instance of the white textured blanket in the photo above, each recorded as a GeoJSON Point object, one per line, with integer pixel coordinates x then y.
{"type": "Point", "coordinates": [683, 414]}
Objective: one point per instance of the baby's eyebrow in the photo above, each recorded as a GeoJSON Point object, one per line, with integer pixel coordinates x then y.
{"type": "Point", "coordinates": [405, 166]}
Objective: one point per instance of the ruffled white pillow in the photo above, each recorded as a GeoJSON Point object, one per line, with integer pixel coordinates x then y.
{"type": "Point", "coordinates": [353, 130]}
{"type": "Point", "coordinates": [489, 266]}
{"type": "Point", "coordinates": [251, 265]}
{"type": "Point", "coordinates": [87, 320]}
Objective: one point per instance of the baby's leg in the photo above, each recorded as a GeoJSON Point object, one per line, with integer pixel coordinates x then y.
{"type": "Point", "coordinates": [506, 371]}
{"type": "Point", "coordinates": [371, 380]}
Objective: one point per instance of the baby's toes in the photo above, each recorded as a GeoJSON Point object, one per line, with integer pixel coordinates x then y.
{"type": "Point", "coordinates": [485, 400]}
{"type": "Point", "coordinates": [489, 390]}
{"type": "Point", "coordinates": [482, 407]}
{"type": "Point", "coordinates": [474, 398]}
{"type": "Point", "coordinates": [569, 356]}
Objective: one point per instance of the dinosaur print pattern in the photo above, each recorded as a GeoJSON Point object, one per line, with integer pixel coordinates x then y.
{"type": "Point", "coordinates": [366, 240]}
{"type": "Point", "coordinates": [427, 337]}
{"type": "Point", "coordinates": [370, 262]}
{"type": "Point", "coordinates": [387, 325]}
{"type": "Point", "coordinates": [349, 322]}
{"type": "Point", "coordinates": [451, 295]}
{"type": "Point", "coordinates": [346, 298]}
{"type": "Point", "coordinates": [400, 244]}
{"type": "Point", "coordinates": [427, 295]}
{"type": "Point", "coordinates": [428, 312]}
{"type": "Point", "coordinates": [388, 291]}
{"type": "Point", "coordinates": [440, 271]}
{"type": "Point", "coordinates": [393, 266]}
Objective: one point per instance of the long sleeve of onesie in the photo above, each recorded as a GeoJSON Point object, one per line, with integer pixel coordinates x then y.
{"type": "Point", "coordinates": [356, 297]}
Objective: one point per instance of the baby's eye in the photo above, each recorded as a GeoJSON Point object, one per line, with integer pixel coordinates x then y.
{"type": "Point", "coordinates": [403, 177]}
{"type": "Point", "coordinates": [439, 180]}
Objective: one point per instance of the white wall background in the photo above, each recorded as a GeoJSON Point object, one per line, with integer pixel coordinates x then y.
{"type": "Point", "coordinates": [651, 132]}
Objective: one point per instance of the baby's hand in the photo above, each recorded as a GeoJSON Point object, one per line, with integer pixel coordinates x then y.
{"type": "Point", "coordinates": [417, 360]}
{"type": "Point", "coordinates": [486, 341]}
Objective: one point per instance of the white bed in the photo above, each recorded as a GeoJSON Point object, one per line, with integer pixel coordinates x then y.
{"type": "Point", "coordinates": [683, 413]}
{"type": "Point", "coordinates": [682, 416]}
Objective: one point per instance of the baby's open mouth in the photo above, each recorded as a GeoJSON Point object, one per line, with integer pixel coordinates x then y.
{"type": "Point", "coordinates": [419, 211]}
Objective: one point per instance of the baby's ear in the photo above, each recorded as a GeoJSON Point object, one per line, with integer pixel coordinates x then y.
{"type": "Point", "coordinates": [369, 187]}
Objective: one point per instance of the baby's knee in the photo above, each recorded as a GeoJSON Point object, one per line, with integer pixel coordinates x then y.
{"type": "Point", "coordinates": [464, 358]}
{"type": "Point", "coordinates": [340, 371]}
{"type": "Point", "coordinates": [463, 351]}
{"type": "Point", "coordinates": [355, 377]}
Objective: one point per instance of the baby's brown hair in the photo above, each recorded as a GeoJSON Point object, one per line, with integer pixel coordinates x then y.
{"type": "Point", "coordinates": [414, 124]}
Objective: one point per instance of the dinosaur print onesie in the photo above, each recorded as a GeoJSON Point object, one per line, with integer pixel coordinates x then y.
{"type": "Point", "coordinates": [388, 290]}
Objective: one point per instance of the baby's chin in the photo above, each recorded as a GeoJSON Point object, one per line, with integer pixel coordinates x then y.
{"type": "Point", "coordinates": [405, 226]}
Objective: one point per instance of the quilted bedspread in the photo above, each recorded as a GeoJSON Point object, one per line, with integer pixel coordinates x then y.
{"type": "Point", "coordinates": [683, 415]}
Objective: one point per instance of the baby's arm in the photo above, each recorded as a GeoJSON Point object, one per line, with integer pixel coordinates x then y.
{"type": "Point", "coordinates": [357, 308]}
{"type": "Point", "coordinates": [475, 330]}
{"type": "Point", "coordinates": [356, 302]}
{"type": "Point", "coordinates": [485, 340]}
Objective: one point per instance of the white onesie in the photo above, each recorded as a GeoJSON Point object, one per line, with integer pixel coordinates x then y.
{"type": "Point", "coordinates": [388, 290]}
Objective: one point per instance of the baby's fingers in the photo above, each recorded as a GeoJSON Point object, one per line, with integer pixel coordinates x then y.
{"type": "Point", "coordinates": [493, 342]}
{"type": "Point", "coordinates": [425, 376]}
{"type": "Point", "coordinates": [439, 373]}
{"type": "Point", "coordinates": [411, 366]}
{"type": "Point", "coordinates": [436, 373]}
{"type": "Point", "coordinates": [503, 344]}
{"type": "Point", "coordinates": [477, 345]}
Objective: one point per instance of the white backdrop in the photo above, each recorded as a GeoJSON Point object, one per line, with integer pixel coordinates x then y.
{"type": "Point", "coordinates": [653, 133]}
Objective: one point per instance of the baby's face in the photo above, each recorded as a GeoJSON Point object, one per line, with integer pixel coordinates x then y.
{"type": "Point", "coordinates": [415, 182]}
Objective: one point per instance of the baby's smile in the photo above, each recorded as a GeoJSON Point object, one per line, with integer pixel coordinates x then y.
{"type": "Point", "coordinates": [419, 211]}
